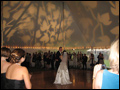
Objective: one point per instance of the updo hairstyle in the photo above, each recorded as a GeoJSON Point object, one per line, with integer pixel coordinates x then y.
{"type": "Point", "coordinates": [16, 55]}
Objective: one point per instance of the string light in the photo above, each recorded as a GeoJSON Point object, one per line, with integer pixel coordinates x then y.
{"type": "Point", "coordinates": [67, 48]}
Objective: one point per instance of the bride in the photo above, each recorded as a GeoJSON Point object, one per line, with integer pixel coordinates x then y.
{"type": "Point", "coordinates": [62, 76]}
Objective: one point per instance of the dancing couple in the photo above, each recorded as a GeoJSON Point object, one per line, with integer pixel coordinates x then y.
{"type": "Point", "coordinates": [62, 76]}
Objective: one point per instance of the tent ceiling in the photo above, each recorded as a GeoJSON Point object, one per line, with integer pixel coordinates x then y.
{"type": "Point", "coordinates": [54, 24]}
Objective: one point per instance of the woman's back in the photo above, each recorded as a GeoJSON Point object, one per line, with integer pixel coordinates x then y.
{"type": "Point", "coordinates": [15, 72]}
{"type": "Point", "coordinates": [14, 77]}
{"type": "Point", "coordinates": [110, 80]}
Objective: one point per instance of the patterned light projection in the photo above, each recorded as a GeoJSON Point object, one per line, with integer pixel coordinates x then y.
{"type": "Point", "coordinates": [56, 23]}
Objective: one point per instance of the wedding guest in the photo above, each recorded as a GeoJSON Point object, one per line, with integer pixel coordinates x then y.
{"type": "Point", "coordinates": [17, 76]}
{"type": "Point", "coordinates": [5, 53]}
{"type": "Point", "coordinates": [78, 60]}
{"type": "Point", "coordinates": [108, 79]}
{"type": "Point", "coordinates": [81, 57]}
{"type": "Point", "coordinates": [45, 59]}
{"type": "Point", "coordinates": [98, 58]}
{"type": "Point", "coordinates": [68, 64]}
{"type": "Point", "coordinates": [74, 60]}
{"type": "Point", "coordinates": [101, 59]}
{"type": "Point", "coordinates": [78, 57]}
{"type": "Point", "coordinates": [52, 56]}
{"type": "Point", "coordinates": [48, 60]}
{"type": "Point", "coordinates": [84, 61]}
{"type": "Point", "coordinates": [92, 60]}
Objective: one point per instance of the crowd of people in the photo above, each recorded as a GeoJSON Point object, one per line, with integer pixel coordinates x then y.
{"type": "Point", "coordinates": [75, 60]}
{"type": "Point", "coordinates": [47, 60]}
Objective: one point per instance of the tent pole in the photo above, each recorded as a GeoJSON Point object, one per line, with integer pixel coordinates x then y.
{"type": "Point", "coordinates": [79, 28]}
{"type": "Point", "coordinates": [63, 28]}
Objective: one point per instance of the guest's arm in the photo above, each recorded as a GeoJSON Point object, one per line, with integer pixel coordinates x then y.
{"type": "Point", "coordinates": [97, 77]}
{"type": "Point", "coordinates": [27, 77]}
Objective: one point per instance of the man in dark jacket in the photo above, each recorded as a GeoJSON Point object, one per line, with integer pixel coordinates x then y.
{"type": "Point", "coordinates": [84, 61]}
{"type": "Point", "coordinates": [58, 59]}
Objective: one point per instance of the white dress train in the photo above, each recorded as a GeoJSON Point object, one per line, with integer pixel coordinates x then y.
{"type": "Point", "coordinates": [62, 76]}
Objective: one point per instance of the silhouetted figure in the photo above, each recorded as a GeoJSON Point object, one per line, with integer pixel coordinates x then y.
{"type": "Point", "coordinates": [92, 60]}
{"type": "Point", "coordinates": [98, 58]}
{"type": "Point", "coordinates": [84, 61]}
{"type": "Point", "coordinates": [52, 57]}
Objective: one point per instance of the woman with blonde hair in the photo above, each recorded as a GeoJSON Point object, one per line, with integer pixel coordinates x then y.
{"type": "Point", "coordinates": [108, 79]}
{"type": "Point", "coordinates": [17, 76]}
{"type": "Point", "coordinates": [5, 53]}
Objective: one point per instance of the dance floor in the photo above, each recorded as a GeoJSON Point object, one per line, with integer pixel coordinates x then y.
{"type": "Point", "coordinates": [43, 79]}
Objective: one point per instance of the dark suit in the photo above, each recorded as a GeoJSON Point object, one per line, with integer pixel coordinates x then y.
{"type": "Point", "coordinates": [84, 61]}
{"type": "Point", "coordinates": [59, 60]}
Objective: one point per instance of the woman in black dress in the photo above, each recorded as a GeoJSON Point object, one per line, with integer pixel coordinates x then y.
{"type": "Point", "coordinates": [17, 76]}
{"type": "Point", "coordinates": [5, 53]}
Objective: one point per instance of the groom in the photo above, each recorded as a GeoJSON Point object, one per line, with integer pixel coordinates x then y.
{"type": "Point", "coordinates": [58, 60]}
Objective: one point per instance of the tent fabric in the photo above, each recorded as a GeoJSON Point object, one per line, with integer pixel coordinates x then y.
{"type": "Point", "coordinates": [59, 23]}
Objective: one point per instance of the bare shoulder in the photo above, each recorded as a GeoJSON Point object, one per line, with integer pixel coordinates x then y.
{"type": "Point", "coordinates": [24, 70]}
{"type": "Point", "coordinates": [8, 64]}
{"type": "Point", "coordinates": [99, 75]}
{"type": "Point", "coordinates": [100, 72]}
{"type": "Point", "coordinates": [98, 80]}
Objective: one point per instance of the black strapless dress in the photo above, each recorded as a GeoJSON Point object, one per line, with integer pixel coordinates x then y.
{"type": "Point", "coordinates": [3, 78]}
{"type": "Point", "coordinates": [14, 84]}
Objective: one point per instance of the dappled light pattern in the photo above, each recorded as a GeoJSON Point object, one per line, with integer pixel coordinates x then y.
{"type": "Point", "coordinates": [54, 24]}
{"type": "Point", "coordinates": [98, 21]}
{"type": "Point", "coordinates": [35, 23]}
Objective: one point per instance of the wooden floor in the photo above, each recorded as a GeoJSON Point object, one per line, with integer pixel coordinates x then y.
{"type": "Point", "coordinates": [43, 79]}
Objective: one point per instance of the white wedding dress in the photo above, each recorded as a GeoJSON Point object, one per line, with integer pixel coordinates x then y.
{"type": "Point", "coordinates": [62, 76]}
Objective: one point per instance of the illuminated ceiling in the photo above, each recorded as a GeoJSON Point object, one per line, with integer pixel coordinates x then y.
{"type": "Point", "coordinates": [56, 23]}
